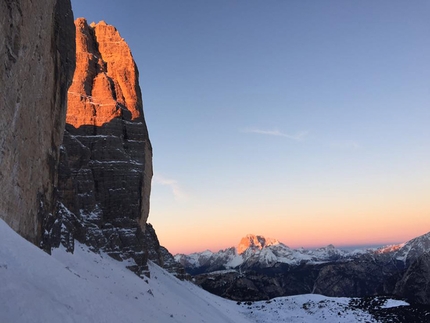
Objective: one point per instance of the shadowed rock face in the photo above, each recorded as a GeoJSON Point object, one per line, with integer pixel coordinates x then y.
{"type": "Point", "coordinates": [106, 160]}
{"type": "Point", "coordinates": [415, 284]}
{"type": "Point", "coordinates": [37, 55]}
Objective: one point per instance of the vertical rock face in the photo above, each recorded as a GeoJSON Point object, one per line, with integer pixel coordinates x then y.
{"type": "Point", "coordinates": [106, 161]}
{"type": "Point", "coordinates": [37, 55]}
{"type": "Point", "coordinates": [105, 113]}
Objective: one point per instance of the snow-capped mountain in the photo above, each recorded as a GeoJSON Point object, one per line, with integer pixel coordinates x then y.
{"type": "Point", "coordinates": [208, 261]}
{"type": "Point", "coordinates": [255, 242]}
{"type": "Point", "coordinates": [256, 250]}
{"type": "Point", "coordinates": [413, 249]}
{"type": "Point", "coordinates": [266, 268]}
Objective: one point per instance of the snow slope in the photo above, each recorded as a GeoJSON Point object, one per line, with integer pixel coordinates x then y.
{"type": "Point", "coordinates": [87, 287]}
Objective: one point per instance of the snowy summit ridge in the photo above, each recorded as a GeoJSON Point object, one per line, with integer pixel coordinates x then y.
{"type": "Point", "coordinates": [256, 249]}
{"type": "Point", "coordinates": [255, 242]}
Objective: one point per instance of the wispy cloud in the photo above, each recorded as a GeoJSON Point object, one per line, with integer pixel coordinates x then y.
{"type": "Point", "coordinates": [345, 145]}
{"type": "Point", "coordinates": [297, 136]}
{"type": "Point", "coordinates": [178, 193]}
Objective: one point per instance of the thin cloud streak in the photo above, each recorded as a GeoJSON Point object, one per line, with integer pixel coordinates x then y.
{"type": "Point", "coordinates": [345, 145]}
{"type": "Point", "coordinates": [297, 136]}
{"type": "Point", "coordinates": [178, 193]}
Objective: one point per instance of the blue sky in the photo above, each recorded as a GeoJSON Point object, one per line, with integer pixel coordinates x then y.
{"type": "Point", "coordinates": [305, 121]}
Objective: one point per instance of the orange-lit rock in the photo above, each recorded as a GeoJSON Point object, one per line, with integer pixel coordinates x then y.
{"type": "Point", "coordinates": [106, 161]}
{"type": "Point", "coordinates": [254, 242]}
{"type": "Point", "coordinates": [105, 85]}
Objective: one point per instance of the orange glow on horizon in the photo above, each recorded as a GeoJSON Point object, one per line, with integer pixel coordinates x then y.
{"type": "Point", "coordinates": [297, 234]}
{"type": "Point", "coordinates": [294, 222]}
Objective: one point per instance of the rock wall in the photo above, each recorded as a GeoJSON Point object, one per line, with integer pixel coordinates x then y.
{"type": "Point", "coordinates": [106, 157]}
{"type": "Point", "coordinates": [105, 115]}
{"type": "Point", "coordinates": [37, 55]}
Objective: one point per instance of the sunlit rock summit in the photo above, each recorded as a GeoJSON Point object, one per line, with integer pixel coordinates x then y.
{"type": "Point", "coordinates": [107, 142]}
{"type": "Point", "coordinates": [106, 158]}
{"type": "Point", "coordinates": [254, 242]}
{"type": "Point", "coordinates": [105, 85]}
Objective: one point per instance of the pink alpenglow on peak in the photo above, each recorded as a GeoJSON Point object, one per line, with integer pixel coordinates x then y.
{"type": "Point", "coordinates": [255, 242]}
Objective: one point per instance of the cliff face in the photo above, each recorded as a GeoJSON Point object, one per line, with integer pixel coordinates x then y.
{"type": "Point", "coordinates": [37, 63]}
{"type": "Point", "coordinates": [105, 114]}
{"type": "Point", "coordinates": [106, 160]}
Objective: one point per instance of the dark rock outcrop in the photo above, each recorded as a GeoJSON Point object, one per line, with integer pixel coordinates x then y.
{"type": "Point", "coordinates": [261, 283]}
{"type": "Point", "coordinates": [37, 54]}
{"type": "Point", "coordinates": [415, 284]}
{"type": "Point", "coordinates": [368, 275]}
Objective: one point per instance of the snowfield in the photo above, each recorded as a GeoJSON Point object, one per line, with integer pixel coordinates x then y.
{"type": "Point", "coordinates": [309, 308]}
{"type": "Point", "coordinates": [89, 287]}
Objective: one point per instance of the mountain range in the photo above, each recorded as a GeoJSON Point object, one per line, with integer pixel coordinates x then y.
{"type": "Point", "coordinates": [262, 268]}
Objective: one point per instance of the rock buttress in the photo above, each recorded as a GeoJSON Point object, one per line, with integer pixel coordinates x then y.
{"type": "Point", "coordinates": [37, 55]}
{"type": "Point", "coordinates": [106, 160]}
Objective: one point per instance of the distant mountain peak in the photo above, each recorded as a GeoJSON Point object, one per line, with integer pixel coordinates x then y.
{"type": "Point", "coordinates": [411, 250]}
{"type": "Point", "coordinates": [255, 242]}
{"type": "Point", "coordinates": [390, 248]}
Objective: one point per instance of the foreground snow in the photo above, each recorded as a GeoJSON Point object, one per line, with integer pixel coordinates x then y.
{"type": "Point", "coordinates": [87, 287]}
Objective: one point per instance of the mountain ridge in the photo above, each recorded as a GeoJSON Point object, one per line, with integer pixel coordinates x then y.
{"type": "Point", "coordinates": [254, 248]}
{"type": "Point", "coordinates": [277, 270]}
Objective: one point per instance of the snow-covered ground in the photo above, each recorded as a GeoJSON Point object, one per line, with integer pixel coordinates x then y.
{"type": "Point", "coordinates": [309, 308]}
{"type": "Point", "coordinates": [88, 287]}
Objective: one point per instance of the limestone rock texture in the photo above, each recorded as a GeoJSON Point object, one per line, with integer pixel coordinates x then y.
{"type": "Point", "coordinates": [106, 157]}
{"type": "Point", "coordinates": [37, 55]}
{"type": "Point", "coordinates": [105, 115]}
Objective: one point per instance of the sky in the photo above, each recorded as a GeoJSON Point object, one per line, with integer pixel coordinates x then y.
{"type": "Point", "coordinates": [304, 121]}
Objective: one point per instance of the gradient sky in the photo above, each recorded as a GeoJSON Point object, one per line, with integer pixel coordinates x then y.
{"type": "Point", "coordinates": [305, 121]}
